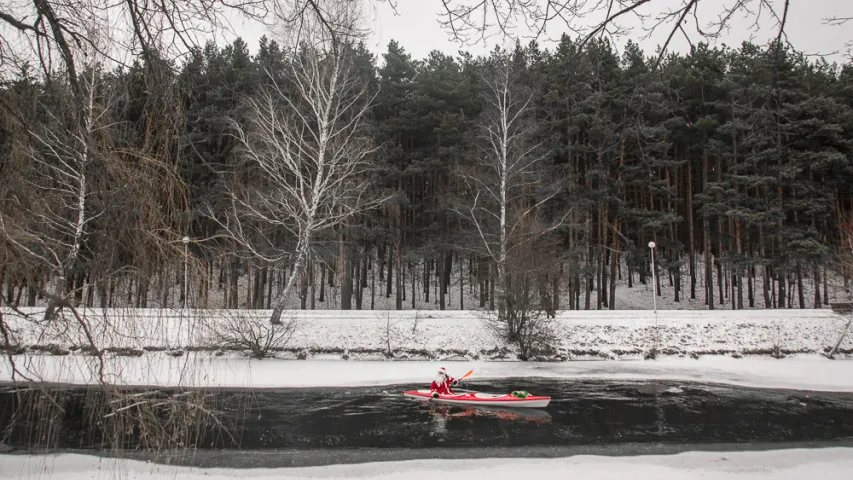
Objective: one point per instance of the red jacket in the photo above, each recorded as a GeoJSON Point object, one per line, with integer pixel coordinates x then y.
{"type": "Point", "coordinates": [442, 388]}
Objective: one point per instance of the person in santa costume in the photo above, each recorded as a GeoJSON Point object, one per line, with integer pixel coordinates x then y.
{"type": "Point", "coordinates": [441, 383]}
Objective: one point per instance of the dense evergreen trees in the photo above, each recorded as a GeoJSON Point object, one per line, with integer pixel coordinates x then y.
{"type": "Point", "coordinates": [738, 163]}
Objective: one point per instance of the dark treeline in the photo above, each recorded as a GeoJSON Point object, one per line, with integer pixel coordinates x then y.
{"type": "Point", "coordinates": [736, 162]}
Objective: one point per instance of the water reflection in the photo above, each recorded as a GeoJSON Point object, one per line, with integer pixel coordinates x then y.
{"type": "Point", "coordinates": [441, 414]}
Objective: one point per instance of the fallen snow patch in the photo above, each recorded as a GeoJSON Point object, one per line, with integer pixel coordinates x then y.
{"type": "Point", "coordinates": [791, 464]}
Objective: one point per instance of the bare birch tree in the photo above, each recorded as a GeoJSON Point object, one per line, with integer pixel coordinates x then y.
{"type": "Point", "coordinates": [506, 190]}
{"type": "Point", "coordinates": [305, 139]}
{"type": "Point", "coordinates": [61, 154]}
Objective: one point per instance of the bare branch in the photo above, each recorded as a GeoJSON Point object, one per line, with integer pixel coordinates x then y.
{"type": "Point", "coordinates": [469, 21]}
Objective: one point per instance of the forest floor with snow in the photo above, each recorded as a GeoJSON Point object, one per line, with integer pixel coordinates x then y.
{"type": "Point", "coordinates": [463, 292]}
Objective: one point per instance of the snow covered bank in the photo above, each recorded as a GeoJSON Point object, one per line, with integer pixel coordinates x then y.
{"type": "Point", "coordinates": [426, 335]}
{"type": "Point", "coordinates": [200, 370]}
{"type": "Point", "coordinates": [793, 464]}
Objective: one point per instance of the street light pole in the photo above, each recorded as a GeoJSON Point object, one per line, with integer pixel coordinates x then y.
{"type": "Point", "coordinates": [654, 282]}
{"type": "Point", "coordinates": [186, 241]}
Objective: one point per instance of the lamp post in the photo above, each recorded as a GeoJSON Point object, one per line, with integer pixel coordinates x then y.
{"type": "Point", "coordinates": [186, 241]}
{"type": "Point", "coordinates": [654, 283]}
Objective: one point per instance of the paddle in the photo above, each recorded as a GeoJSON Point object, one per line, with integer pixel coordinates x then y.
{"type": "Point", "coordinates": [469, 372]}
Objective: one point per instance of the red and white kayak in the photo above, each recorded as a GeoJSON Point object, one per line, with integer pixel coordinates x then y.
{"type": "Point", "coordinates": [483, 399]}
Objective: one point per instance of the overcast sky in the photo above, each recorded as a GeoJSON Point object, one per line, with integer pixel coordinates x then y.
{"type": "Point", "coordinates": [416, 28]}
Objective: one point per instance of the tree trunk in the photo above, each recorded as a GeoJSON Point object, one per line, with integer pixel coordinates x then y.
{"type": "Point", "coordinates": [313, 284]}
{"type": "Point", "coordinates": [322, 297]}
{"type": "Point", "coordinates": [399, 277]}
{"type": "Point", "coordinates": [357, 281]}
{"type": "Point", "coordinates": [90, 292]}
{"type": "Point", "coordinates": [765, 277]}
{"type": "Point", "coordinates": [491, 292]}
{"type": "Point", "coordinates": [448, 269]}
{"type": "Point", "coordinates": [258, 294]}
{"type": "Point", "coordinates": [142, 292]}
{"type": "Point", "coordinates": [720, 276]}
{"type": "Point", "coordinates": [129, 291]}
{"type": "Point", "coordinates": [163, 283]}
{"type": "Point", "coordinates": [380, 255]}
{"type": "Point", "coordinates": [750, 285]}
{"type": "Point", "coordinates": [690, 229]}
{"type": "Point", "coordinates": [303, 289]}
{"type": "Point", "coordinates": [555, 289]}
{"type": "Point", "coordinates": [800, 297]}
{"type": "Point", "coordinates": [103, 293]}
{"type": "Point", "coordinates": [816, 280]}
{"type": "Point", "coordinates": [791, 291]}
{"type": "Point", "coordinates": [427, 266]}
{"type": "Point", "coordinates": [234, 277]}
{"type": "Point", "coordinates": [483, 278]}
{"type": "Point", "coordinates": [31, 295]}
{"type": "Point", "coordinates": [344, 267]}
{"type": "Point", "coordinates": [630, 272]}
{"type": "Point", "coordinates": [739, 267]}
{"type": "Point", "coordinates": [733, 291]}
{"type": "Point", "coordinates": [706, 233]}
{"type": "Point", "coordinates": [365, 263]}
{"type": "Point", "coordinates": [441, 279]}
{"type": "Point", "coordinates": [111, 295]}
{"type": "Point", "coordinates": [611, 304]}
{"type": "Point", "coordinates": [249, 272]}
{"type": "Point", "coordinates": [461, 285]}
{"type": "Point", "coordinates": [389, 283]}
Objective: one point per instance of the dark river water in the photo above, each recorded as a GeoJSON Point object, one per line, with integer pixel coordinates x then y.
{"type": "Point", "coordinates": [290, 427]}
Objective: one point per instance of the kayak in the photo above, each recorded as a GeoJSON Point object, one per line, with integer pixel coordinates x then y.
{"type": "Point", "coordinates": [483, 399]}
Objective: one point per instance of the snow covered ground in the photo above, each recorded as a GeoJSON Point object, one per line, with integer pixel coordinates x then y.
{"type": "Point", "coordinates": [430, 335]}
{"type": "Point", "coordinates": [168, 347]}
{"type": "Point", "coordinates": [792, 464]}
{"type": "Point", "coordinates": [811, 373]}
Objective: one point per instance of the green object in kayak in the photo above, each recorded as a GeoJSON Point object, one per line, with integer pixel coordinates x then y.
{"type": "Point", "coordinates": [520, 394]}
